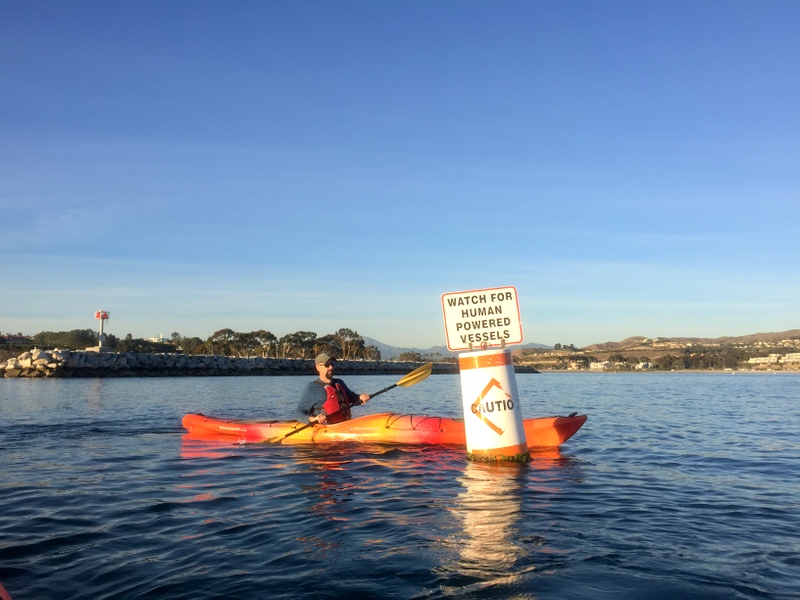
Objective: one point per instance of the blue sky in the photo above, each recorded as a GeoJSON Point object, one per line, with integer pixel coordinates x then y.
{"type": "Point", "coordinates": [632, 168]}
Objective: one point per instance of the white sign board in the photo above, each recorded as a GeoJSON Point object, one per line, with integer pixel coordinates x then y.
{"type": "Point", "coordinates": [479, 319]}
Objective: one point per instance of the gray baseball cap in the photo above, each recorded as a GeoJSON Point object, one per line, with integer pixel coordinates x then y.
{"type": "Point", "coordinates": [323, 358]}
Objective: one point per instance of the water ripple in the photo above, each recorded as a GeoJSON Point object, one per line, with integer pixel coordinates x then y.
{"type": "Point", "coordinates": [653, 498]}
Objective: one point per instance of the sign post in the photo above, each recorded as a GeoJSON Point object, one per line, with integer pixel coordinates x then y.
{"type": "Point", "coordinates": [485, 319]}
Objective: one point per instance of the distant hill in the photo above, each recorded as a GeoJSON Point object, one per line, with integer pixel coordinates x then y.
{"type": "Point", "coordinates": [638, 341]}
{"type": "Point", "coordinates": [388, 351]}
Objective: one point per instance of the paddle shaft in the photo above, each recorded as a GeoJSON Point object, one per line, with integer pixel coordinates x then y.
{"type": "Point", "coordinates": [386, 389]}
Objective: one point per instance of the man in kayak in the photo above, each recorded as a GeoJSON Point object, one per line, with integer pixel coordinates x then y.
{"type": "Point", "coordinates": [325, 396]}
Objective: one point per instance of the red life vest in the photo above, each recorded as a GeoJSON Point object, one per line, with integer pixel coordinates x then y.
{"type": "Point", "coordinates": [335, 401]}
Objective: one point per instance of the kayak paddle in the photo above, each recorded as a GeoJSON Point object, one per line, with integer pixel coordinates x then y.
{"type": "Point", "coordinates": [412, 378]}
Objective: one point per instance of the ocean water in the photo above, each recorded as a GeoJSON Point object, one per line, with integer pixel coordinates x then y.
{"type": "Point", "coordinates": [680, 485]}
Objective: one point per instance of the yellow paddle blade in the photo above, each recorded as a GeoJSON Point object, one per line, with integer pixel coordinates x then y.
{"type": "Point", "coordinates": [416, 375]}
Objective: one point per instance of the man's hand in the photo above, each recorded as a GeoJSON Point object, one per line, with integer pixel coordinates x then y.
{"type": "Point", "coordinates": [364, 398]}
{"type": "Point", "coordinates": [320, 418]}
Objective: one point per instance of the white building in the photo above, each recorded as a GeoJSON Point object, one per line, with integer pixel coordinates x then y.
{"type": "Point", "coordinates": [772, 359]}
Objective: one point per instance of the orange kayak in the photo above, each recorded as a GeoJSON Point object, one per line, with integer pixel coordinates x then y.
{"type": "Point", "coordinates": [387, 428]}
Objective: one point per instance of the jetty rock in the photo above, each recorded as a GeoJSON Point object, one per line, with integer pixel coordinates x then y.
{"type": "Point", "coordinates": [91, 363]}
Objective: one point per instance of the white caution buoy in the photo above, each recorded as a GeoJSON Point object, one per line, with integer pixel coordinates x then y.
{"type": "Point", "coordinates": [492, 413]}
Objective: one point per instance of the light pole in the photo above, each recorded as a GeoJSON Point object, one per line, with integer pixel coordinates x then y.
{"type": "Point", "coordinates": [102, 316]}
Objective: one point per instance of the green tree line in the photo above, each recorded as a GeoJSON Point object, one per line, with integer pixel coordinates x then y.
{"type": "Point", "coordinates": [414, 356]}
{"type": "Point", "coordinates": [696, 358]}
{"type": "Point", "coordinates": [345, 343]}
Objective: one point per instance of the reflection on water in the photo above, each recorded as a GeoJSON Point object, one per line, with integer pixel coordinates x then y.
{"type": "Point", "coordinates": [498, 502]}
{"type": "Point", "coordinates": [331, 490]}
{"type": "Point", "coordinates": [101, 498]}
{"type": "Point", "coordinates": [192, 448]}
{"type": "Point", "coordinates": [489, 508]}
{"type": "Point", "coordinates": [95, 390]}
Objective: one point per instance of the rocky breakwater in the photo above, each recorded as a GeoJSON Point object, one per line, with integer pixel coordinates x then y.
{"type": "Point", "coordinates": [81, 363]}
